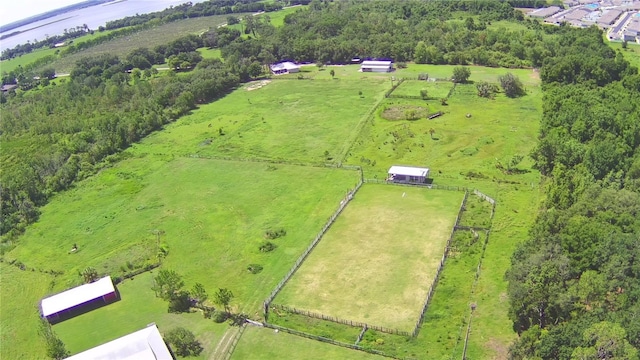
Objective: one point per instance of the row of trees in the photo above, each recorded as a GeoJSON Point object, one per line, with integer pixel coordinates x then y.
{"type": "Point", "coordinates": [404, 31]}
{"type": "Point", "coordinates": [169, 285]}
{"type": "Point", "coordinates": [574, 284]}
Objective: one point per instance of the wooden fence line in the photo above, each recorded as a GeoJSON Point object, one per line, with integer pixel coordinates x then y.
{"type": "Point", "coordinates": [394, 87]}
{"type": "Point", "coordinates": [416, 329]}
{"type": "Point", "coordinates": [311, 246]}
{"type": "Point", "coordinates": [234, 342]}
{"type": "Point", "coordinates": [327, 340]}
{"type": "Point", "coordinates": [430, 186]}
{"type": "Point", "coordinates": [364, 329]}
{"type": "Point", "coordinates": [339, 321]}
{"type": "Point", "coordinates": [473, 288]}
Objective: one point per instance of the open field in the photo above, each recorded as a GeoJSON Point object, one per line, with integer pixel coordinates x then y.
{"type": "Point", "coordinates": [284, 119]}
{"type": "Point", "coordinates": [631, 53]}
{"type": "Point", "coordinates": [20, 296]}
{"type": "Point", "coordinates": [459, 146]}
{"type": "Point", "coordinates": [212, 214]}
{"type": "Point", "coordinates": [376, 263]}
{"type": "Point", "coordinates": [118, 319]}
{"type": "Point", "coordinates": [261, 343]}
{"type": "Point", "coordinates": [206, 210]}
{"type": "Point", "coordinates": [435, 90]}
{"type": "Point", "coordinates": [529, 77]}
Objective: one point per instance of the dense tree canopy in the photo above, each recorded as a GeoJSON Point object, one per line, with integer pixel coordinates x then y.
{"type": "Point", "coordinates": [575, 283]}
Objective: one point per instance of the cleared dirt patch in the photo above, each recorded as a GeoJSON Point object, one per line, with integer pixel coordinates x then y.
{"type": "Point", "coordinates": [257, 84]}
{"type": "Point", "coordinates": [378, 260]}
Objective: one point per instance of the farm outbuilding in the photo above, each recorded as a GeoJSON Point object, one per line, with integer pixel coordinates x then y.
{"type": "Point", "coordinates": [145, 344]}
{"type": "Point", "coordinates": [286, 67]}
{"type": "Point", "coordinates": [408, 175]}
{"type": "Point", "coordinates": [376, 66]}
{"type": "Point", "coordinates": [78, 300]}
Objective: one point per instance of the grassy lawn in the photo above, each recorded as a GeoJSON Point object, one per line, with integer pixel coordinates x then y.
{"type": "Point", "coordinates": [261, 343]}
{"type": "Point", "coordinates": [137, 308]}
{"type": "Point", "coordinates": [210, 53]}
{"type": "Point", "coordinates": [20, 296]}
{"type": "Point", "coordinates": [285, 119]}
{"type": "Point", "coordinates": [378, 260]}
{"type": "Point", "coordinates": [435, 90]}
{"type": "Point", "coordinates": [528, 77]}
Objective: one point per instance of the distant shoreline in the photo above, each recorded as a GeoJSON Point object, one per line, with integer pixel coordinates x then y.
{"type": "Point", "coordinates": [6, 36]}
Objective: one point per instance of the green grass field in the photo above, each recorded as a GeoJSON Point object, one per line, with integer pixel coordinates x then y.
{"type": "Point", "coordinates": [20, 296]}
{"type": "Point", "coordinates": [631, 53]}
{"type": "Point", "coordinates": [435, 90]}
{"type": "Point", "coordinates": [212, 214]}
{"type": "Point", "coordinates": [117, 319]}
{"type": "Point", "coordinates": [285, 119]}
{"type": "Point", "coordinates": [460, 146]}
{"type": "Point", "coordinates": [378, 260]}
{"type": "Point", "coordinates": [261, 343]}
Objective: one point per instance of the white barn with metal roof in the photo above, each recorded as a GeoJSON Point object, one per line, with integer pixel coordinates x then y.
{"type": "Point", "coordinates": [376, 66]}
{"type": "Point", "coordinates": [145, 344]}
{"type": "Point", "coordinates": [286, 67]}
{"type": "Point", "coordinates": [408, 174]}
{"type": "Point", "coordinates": [65, 303]}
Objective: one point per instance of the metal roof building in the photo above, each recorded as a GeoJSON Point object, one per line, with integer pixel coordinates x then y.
{"type": "Point", "coordinates": [286, 67]}
{"type": "Point", "coordinates": [408, 174]}
{"type": "Point", "coordinates": [544, 12]}
{"type": "Point", "coordinates": [145, 344]}
{"type": "Point", "coordinates": [72, 300]}
{"type": "Point", "coordinates": [376, 66]}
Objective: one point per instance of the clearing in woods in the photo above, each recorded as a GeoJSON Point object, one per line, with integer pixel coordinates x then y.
{"type": "Point", "coordinates": [377, 261]}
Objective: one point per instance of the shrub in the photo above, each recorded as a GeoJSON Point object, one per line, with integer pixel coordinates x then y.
{"type": "Point", "coordinates": [179, 303]}
{"type": "Point", "coordinates": [401, 65]}
{"type": "Point", "coordinates": [267, 247]}
{"type": "Point", "coordinates": [254, 268]}
{"type": "Point", "coordinates": [274, 234]}
{"type": "Point", "coordinates": [219, 316]}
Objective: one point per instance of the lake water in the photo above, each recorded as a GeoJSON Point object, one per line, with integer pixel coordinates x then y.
{"type": "Point", "coordinates": [94, 17]}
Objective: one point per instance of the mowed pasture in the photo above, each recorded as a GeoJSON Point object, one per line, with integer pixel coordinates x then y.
{"type": "Point", "coordinates": [211, 215]}
{"type": "Point", "coordinates": [435, 90]}
{"type": "Point", "coordinates": [378, 260]}
{"type": "Point", "coordinates": [288, 120]}
{"type": "Point", "coordinates": [262, 343]}
{"type": "Point", "coordinates": [20, 296]}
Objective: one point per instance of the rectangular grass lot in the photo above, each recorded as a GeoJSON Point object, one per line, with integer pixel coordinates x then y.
{"type": "Point", "coordinates": [377, 261]}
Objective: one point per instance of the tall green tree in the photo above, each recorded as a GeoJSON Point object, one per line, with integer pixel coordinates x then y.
{"type": "Point", "coordinates": [167, 284]}
{"type": "Point", "coordinates": [223, 297]}
{"type": "Point", "coordinates": [461, 74]}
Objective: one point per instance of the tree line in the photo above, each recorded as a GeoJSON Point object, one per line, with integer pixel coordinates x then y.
{"type": "Point", "coordinates": [574, 284]}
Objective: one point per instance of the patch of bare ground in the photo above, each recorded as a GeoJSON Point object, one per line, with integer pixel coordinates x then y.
{"type": "Point", "coordinates": [257, 84]}
{"type": "Point", "coordinates": [501, 351]}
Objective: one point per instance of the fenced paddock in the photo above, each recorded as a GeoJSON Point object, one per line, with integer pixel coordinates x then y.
{"type": "Point", "coordinates": [377, 261]}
